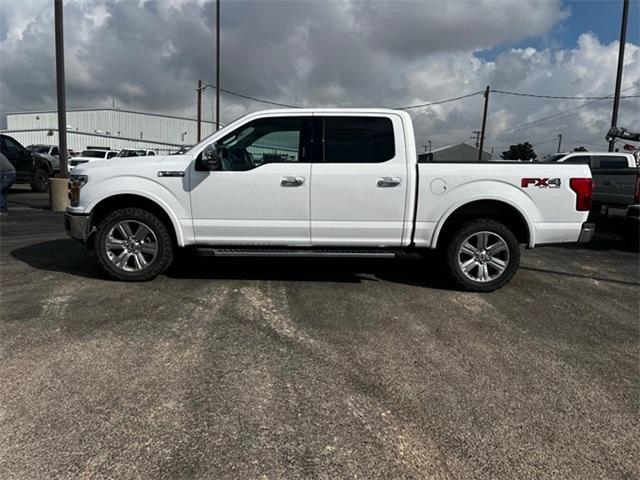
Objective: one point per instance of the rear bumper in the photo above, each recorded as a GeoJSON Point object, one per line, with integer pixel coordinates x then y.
{"type": "Point", "coordinates": [587, 232]}
{"type": "Point", "coordinates": [76, 226]}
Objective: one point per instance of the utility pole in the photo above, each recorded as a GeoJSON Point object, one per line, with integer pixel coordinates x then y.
{"type": "Point", "coordinates": [616, 98]}
{"type": "Point", "coordinates": [62, 103]}
{"type": "Point", "coordinates": [217, 65]}
{"type": "Point", "coordinates": [560, 142]}
{"type": "Point", "coordinates": [477, 134]}
{"type": "Point", "coordinates": [199, 116]}
{"type": "Point", "coordinates": [484, 121]}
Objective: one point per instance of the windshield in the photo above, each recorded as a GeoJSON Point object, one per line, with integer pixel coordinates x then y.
{"type": "Point", "coordinates": [93, 153]}
{"type": "Point", "coordinates": [38, 148]}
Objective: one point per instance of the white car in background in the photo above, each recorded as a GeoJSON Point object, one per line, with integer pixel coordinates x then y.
{"type": "Point", "coordinates": [91, 155]}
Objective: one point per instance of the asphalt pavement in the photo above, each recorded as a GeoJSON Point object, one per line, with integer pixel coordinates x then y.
{"type": "Point", "coordinates": [307, 368]}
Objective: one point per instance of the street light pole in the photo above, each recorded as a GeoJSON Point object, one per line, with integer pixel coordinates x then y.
{"type": "Point", "coordinates": [616, 98]}
{"type": "Point", "coordinates": [217, 64]}
{"type": "Point", "coordinates": [62, 112]}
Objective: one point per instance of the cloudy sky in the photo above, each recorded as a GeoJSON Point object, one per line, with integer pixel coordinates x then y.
{"type": "Point", "coordinates": [148, 55]}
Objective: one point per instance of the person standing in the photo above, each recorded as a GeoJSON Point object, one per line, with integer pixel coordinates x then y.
{"type": "Point", "coordinates": [7, 178]}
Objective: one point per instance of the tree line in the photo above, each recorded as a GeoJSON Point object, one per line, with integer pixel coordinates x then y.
{"type": "Point", "coordinates": [524, 151]}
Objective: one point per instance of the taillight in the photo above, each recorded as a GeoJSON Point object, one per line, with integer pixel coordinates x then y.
{"type": "Point", "coordinates": [636, 196]}
{"type": "Point", "coordinates": [584, 190]}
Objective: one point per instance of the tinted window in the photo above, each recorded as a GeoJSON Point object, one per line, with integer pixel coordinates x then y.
{"type": "Point", "coordinates": [12, 146]}
{"type": "Point", "coordinates": [584, 159]}
{"type": "Point", "coordinates": [612, 162]}
{"type": "Point", "coordinates": [54, 151]}
{"type": "Point", "coordinates": [151, 153]}
{"type": "Point", "coordinates": [268, 140]}
{"type": "Point", "coordinates": [358, 140]}
{"type": "Point", "coordinates": [111, 154]}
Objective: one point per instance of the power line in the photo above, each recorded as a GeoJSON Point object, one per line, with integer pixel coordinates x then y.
{"type": "Point", "coordinates": [439, 102]}
{"type": "Point", "coordinates": [595, 104]}
{"type": "Point", "coordinates": [559, 97]}
{"type": "Point", "coordinates": [255, 99]}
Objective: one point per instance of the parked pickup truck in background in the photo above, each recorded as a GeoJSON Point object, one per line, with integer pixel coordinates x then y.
{"type": "Point", "coordinates": [31, 167]}
{"type": "Point", "coordinates": [324, 182]}
{"type": "Point", "coordinates": [91, 155]}
{"type": "Point", "coordinates": [616, 195]}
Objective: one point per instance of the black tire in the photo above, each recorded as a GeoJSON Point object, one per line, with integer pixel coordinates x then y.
{"type": "Point", "coordinates": [156, 266]}
{"type": "Point", "coordinates": [40, 181]}
{"type": "Point", "coordinates": [497, 231]}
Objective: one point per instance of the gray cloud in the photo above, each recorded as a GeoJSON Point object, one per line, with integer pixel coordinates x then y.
{"type": "Point", "coordinates": [149, 54]}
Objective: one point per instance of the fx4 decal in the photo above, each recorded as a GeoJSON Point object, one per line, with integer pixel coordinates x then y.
{"type": "Point", "coordinates": [541, 182]}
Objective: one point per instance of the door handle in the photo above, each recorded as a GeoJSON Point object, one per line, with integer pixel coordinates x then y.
{"type": "Point", "coordinates": [291, 181]}
{"type": "Point", "coordinates": [388, 182]}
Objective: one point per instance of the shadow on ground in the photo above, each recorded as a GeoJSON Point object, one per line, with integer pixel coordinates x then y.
{"type": "Point", "coordinates": [68, 256]}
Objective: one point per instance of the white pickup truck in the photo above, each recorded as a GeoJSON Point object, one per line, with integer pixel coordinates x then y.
{"type": "Point", "coordinates": [324, 182]}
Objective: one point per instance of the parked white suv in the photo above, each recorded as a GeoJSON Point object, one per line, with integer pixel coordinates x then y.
{"type": "Point", "coordinates": [324, 182]}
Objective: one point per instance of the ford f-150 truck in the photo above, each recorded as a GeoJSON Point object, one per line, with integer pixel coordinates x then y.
{"type": "Point", "coordinates": [324, 182]}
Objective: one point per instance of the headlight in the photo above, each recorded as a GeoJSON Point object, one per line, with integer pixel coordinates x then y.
{"type": "Point", "coordinates": [76, 182]}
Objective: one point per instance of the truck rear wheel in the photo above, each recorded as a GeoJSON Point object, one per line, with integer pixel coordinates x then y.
{"type": "Point", "coordinates": [482, 255]}
{"type": "Point", "coordinates": [134, 245]}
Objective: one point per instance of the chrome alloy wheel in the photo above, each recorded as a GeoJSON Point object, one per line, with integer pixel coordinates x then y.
{"type": "Point", "coordinates": [483, 256]}
{"type": "Point", "coordinates": [131, 245]}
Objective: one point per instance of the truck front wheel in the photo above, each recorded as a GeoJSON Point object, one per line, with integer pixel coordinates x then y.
{"type": "Point", "coordinates": [482, 255]}
{"type": "Point", "coordinates": [40, 181]}
{"type": "Point", "coordinates": [134, 245]}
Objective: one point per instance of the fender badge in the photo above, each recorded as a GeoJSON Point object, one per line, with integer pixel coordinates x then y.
{"type": "Point", "coordinates": [541, 182]}
{"type": "Point", "coordinates": [171, 173]}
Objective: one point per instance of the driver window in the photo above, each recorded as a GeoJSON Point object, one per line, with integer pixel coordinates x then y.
{"type": "Point", "coordinates": [268, 140]}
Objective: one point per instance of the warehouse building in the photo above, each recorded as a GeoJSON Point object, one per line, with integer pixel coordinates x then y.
{"type": "Point", "coordinates": [107, 127]}
{"type": "Point", "coordinates": [454, 153]}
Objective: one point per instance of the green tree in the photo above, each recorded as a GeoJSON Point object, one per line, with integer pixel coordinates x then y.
{"type": "Point", "coordinates": [521, 151]}
{"type": "Point", "coordinates": [580, 149]}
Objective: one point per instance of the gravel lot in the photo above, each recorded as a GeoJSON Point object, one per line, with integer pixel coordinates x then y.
{"type": "Point", "coordinates": [230, 368]}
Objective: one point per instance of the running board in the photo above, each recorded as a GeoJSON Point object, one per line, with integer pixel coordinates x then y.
{"type": "Point", "coordinates": [291, 252]}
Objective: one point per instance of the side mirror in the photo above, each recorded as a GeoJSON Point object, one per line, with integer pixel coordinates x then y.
{"type": "Point", "coordinates": [210, 158]}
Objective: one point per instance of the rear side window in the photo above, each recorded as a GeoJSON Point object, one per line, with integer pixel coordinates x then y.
{"type": "Point", "coordinates": [611, 162]}
{"type": "Point", "coordinates": [358, 140]}
{"type": "Point", "coordinates": [585, 159]}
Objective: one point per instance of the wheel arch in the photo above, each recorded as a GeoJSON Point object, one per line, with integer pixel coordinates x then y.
{"type": "Point", "coordinates": [497, 209]}
{"type": "Point", "coordinates": [106, 205]}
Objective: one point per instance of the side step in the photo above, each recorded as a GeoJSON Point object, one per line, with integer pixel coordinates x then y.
{"type": "Point", "coordinates": [293, 252]}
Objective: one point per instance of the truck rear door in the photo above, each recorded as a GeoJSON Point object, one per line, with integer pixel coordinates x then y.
{"type": "Point", "coordinates": [358, 180]}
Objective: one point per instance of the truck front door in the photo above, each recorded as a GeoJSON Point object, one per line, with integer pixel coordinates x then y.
{"type": "Point", "coordinates": [259, 195]}
{"type": "Point", "coordinates": [358, 181]}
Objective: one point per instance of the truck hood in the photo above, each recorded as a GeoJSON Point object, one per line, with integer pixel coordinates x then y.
{"type": "Point", "coordinates": [146, 166]}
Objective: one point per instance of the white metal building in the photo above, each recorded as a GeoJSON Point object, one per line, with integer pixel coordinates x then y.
{"type": "Point", "coordinates": [107, 127]}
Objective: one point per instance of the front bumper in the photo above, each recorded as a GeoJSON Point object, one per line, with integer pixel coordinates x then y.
{"type": "Point", "coordinates": [77, 226]}
{"type": "Point", "coordinates": [587, 232]}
